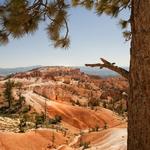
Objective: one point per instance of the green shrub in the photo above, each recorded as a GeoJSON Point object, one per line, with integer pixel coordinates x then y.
{"type": "Point", "coordinates": [105, 125]}
{"type": "Point", "coordinates": [104, 104]}
{"type": "Point", "coordinates": [78, 103]}
{"type": "Point", "coordinates": [39, 119]}
{"type": "Point", "coordinates": [58, 118]}
{"type": "Point", "coordinates": [96, 127]}
{"type": "Point", "coordinates": [26, 109]}
{"type": "Point", "coordinates": [85, 145]}
{"type": "Point", "coordinates": [55, 120]}
{"type": "Point", "coordinates": [93, 102]}
{"type": "Point", "coordinates": [22, 124]}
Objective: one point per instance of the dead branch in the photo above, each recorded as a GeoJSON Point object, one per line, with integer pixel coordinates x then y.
{"type": "Point", "coordinates": [111, 66]}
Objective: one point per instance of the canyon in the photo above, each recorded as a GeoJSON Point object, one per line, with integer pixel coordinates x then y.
{"type": "Point", "coordinates": [93, 111]}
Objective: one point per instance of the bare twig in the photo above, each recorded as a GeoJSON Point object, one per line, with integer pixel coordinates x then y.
{"type": "Point", "coordinates": [111, 66]}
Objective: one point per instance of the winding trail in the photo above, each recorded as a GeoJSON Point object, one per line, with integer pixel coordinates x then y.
{"type": "Point", "coordinates": [116, 139]}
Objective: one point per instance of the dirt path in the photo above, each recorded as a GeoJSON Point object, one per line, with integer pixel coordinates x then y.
{"type": "Point", "coordinates": [114, 139]}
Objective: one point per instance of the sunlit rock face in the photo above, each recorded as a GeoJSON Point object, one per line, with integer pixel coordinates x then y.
{"type": "Point", "coordinates": [84, 102]}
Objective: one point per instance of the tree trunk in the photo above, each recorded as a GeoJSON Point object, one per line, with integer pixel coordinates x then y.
{"type": "Point", "coordinates": [139, 78]}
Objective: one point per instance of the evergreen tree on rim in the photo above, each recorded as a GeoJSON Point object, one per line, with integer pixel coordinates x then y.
{"type": "Point", "coordinates": [9, 85]}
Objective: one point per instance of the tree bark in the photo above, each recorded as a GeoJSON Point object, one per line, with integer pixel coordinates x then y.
{"type": "Point", "coordinates": [139, 77]}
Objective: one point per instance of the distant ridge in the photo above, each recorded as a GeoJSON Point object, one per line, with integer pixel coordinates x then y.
{"type": "Point", "coordinates": [100, 72]}
{"type": "Point", "coordinates": [7, 71]}
{"type": "Point", "coordinates": [87, 70]}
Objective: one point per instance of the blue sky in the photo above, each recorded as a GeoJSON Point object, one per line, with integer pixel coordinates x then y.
{"type": "Point", "coordinates": [91, 37]}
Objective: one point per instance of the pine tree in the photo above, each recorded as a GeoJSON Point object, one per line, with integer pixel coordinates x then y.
{"type": "Point", "coordinates": [8, 92]}
{"type": "Point", "coordinates": [20, 17]}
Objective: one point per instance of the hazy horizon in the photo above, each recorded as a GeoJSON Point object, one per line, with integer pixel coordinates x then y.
{"type": "Point", "coordinates": [52, 66]}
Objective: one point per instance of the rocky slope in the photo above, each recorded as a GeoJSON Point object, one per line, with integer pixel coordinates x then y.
{"type": "Point", "coordinates": [79, 100]}
{"type": "Point", "coordinates": [72, 86]}
{"type": "Point", "coordinates": [33, 140]}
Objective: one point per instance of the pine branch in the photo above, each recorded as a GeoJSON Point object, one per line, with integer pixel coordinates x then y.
{"type": "Point", "coordinates": [111, 66]}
